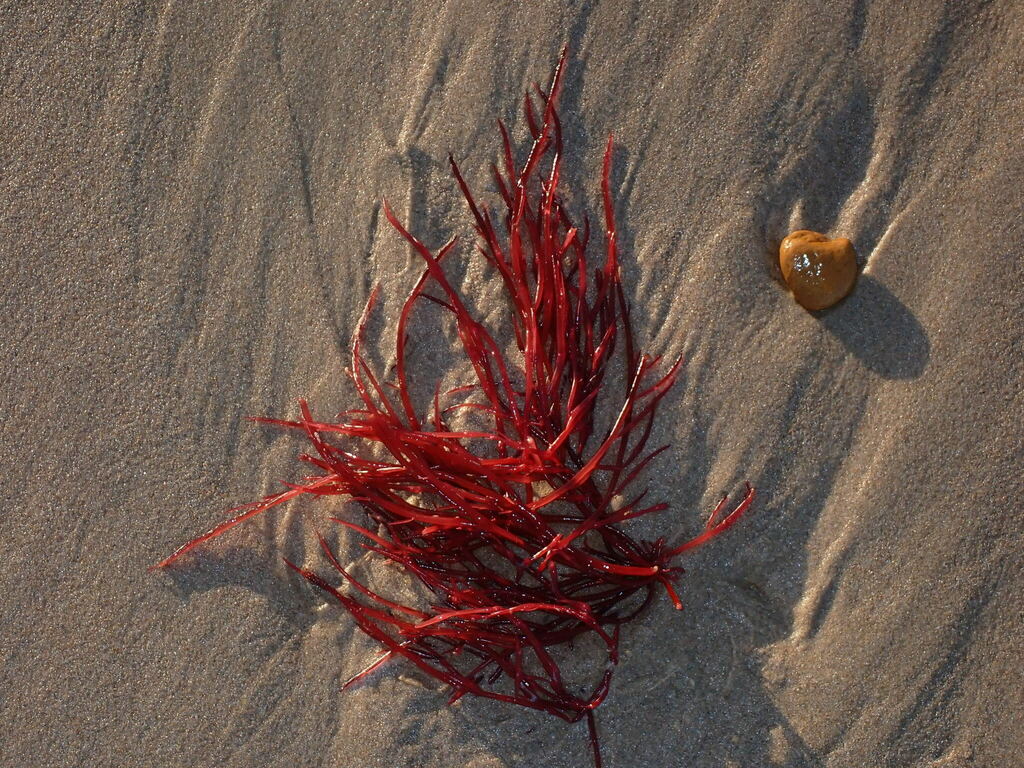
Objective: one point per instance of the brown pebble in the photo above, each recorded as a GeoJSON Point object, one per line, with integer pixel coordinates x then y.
{"type": "Point", "coordinates": [820, 272]}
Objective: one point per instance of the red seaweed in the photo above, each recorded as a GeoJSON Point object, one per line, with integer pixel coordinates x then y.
{"type": "Point", "coordinates": [506, 497]}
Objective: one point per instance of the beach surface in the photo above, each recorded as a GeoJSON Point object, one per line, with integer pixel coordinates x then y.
{"type": "Point", "coordinates": [191, 224]}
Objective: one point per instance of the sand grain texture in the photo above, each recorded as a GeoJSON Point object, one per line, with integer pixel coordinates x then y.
{"type": "Point", "coordinates": [190, 225]}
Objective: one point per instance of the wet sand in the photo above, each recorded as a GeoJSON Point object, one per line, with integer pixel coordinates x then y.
{"type": "Point", "coordinates": [190, 226]}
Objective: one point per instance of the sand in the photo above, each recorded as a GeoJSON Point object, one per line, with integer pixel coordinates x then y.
{"type": "Point", "coordinates": [190, 225]}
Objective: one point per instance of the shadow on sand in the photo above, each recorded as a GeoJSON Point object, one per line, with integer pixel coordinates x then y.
{"type": "Point", "coordinates": [878, 329]}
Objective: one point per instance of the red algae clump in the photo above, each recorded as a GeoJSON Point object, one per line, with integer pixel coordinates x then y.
{"type": "Point", "coordinates": [506, 498]}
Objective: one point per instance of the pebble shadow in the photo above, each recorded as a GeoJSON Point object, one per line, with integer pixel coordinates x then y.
{"type": "Point", "coordinates": [879, 330]}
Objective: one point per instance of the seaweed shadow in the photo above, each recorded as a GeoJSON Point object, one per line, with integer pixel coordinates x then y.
{"type": "Point", "coordinates": [250, 569]}
{"type": "Point", "coordinates": [879, 330]}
